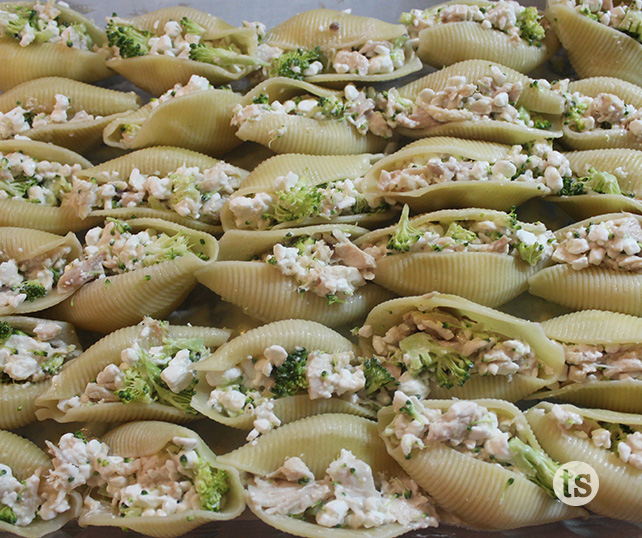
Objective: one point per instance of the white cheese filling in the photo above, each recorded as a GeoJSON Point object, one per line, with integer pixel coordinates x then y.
{"type": "Point", "coordinates": [586, 363]}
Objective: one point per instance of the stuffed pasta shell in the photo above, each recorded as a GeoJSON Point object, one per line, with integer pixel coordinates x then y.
{"type": "Point", "coordinates": [602, 365]}
{"type": "Point", "coordinates": [140, 372]}
{"type": "Point", "coordinates": [49, 39]}
{"type": "Point", "coordinates": [65, 112]}
{"type": "Point", "coordinates": [132, 269]}
{"type": "Point", "coordinates": [611, 443]}
{"type": "Point", "coordinates": [164, 182]}
{"type": "Point", "coordinates": [457, 449]}
{"type": "Point", "coordinates": [314, 272]}
{"type": "Point", "coordinates": [444, 346]}
{"type": "Point", "coordinates": [475, 99]}
{"type": "Point", "coordinates": [491, 253]}
{"type": "Point", "coordinates": [31, 507]}
{"type": "Point", "coordinates": [35, 179]}
{"type": "Point", "coordinates": [330, 475]}
{"type": "Point", "coordinates": [168, 46]}
{"type": "Point", "coordinates": [176, 119]}
{"type": "Point", "coordinates": [302, 190]}
{"type": "Point", "coordinates": [498, 31]}
{"type": "Point", "coordinates": [597, 265]}
{"type": "Point", "coordinates": [152, 477]}
{"type": "Point", "coordinates": [31, 264]}
{"type": "Point", "coordinates": [32, 351]}
{"type": "Point", "coordinates": [324, 46]}
{"type": "Point", "coordinates": [287, 370]}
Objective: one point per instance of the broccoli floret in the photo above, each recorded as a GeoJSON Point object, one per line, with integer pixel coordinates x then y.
{"type": "Point", "coordinates": [601, 182]}
{"type": "Point", "coordinates": [33, 289]}
{"type": "Point", "coordinates": [130, 41]}
{"type": "Point", "coordinates": [406, 18]}
{"type": "Point", "coordinates": [26, 17]}
{"type": "Point", "coordinates": [183, 188]}
{"type": "Point", "coordinates": [332, 107]}
{"type": "Point", "coordinates": [409, 410]}
{"type": "Point", "coordinates": [294, 63]}
{"type": "Point", "coordinates": [129, 130]}
{"type": "Point", "coordinates": [261, 99]}
{"type": "Point", "coordinates": [575, 116]}
{"type": "Point", "coordinates": [291, 377]}
{"type": "Point", "coordinates": [530, 253]}
{"type": "Point", "coordinates": [377, 376]}
{"type": "Point", "coordinates": [404, 235]}
{"type": "Point", "coordinates": [53, 364]}
{"type": "Point", "coordinates": [571, 187]}
{"type": "Point", "coordinates": [17, 188]}
{"type": "Point", "coordinates": [201, 52]}
{"type": "Point", "coordinates": [211, 484]}
{"type": "Point", "coordinates": [166, 247]}
{"type": "Point", "coordinates": [191, 27]}
{"type": "Point", "coordinates": [6, 331]}
{"type": "Point", "coordinates": [301, 201]}
{"type": "Point", "coordinates": [8, 515]}
{"type": "Point", "coordinates": [631, 24]}
{"type": "Point", "coordinates": [136, 388]}
{"type": "Point", "coordinates": [300, 242]}
{"type": "Point", "coordinates": [535, 464]}
{"type": "Point", "coordinates": [537, 121]}
{"type": "Point", "coordinates": [460, 234]}
{"type": "Point", "coordinates": [120, 225]}
{"type": "Point", "coordinates": [448, 368]}
{"type": "Point", "coordinates": [530, 28]}
{"type": "Point", "coordinates": [540, 123]}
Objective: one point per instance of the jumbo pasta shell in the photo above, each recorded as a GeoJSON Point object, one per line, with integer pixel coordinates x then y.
{"type": "Point", "coordinates": [37, 60]}
{"type": "Point", "coordinates": [449, 43]}
{"type": "Point", "coordinates": [24, 458]}
{"type": "Point", "coordinates": [612, 53]}
{"type": "Point", "coordinates": [317, 441]}
{"type": "Point", "coordinates": [619, 495]}
{"type": "Point", "coordinates": [534, 98]}
{"type": "Point", "coordinates": [390, 314]}
{"type": "Point", "coordinates": [285, 133]}
{"type": "Point", "coordinates": [74, 377]}
{"type": "Point", "coordinates": [80, 136]}
{"type": "Point", "coordinates": [23, 214]}
{"type": "Point", "coordinates": [180, 122]}
{"type": "Point", "coordinates": [454, 480]}
{"type": "Point", "coordinates": [108, 304]}
{"type": "Point", "coordinates": [604, 138]}
{"type": "Point", "coordinates": [21, 245]}
{"type": "Point", "coordinates": [156, 73]}
{"type": "Point", "coordinates": [137, 439]}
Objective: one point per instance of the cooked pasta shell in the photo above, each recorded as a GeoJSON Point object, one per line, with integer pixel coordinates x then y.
{"type": "Point", "coordinates": [18, 399]}
{"type": "Point", "coordinates": [266, 294]}
{"type": "Point", "coordinates": [22, 245]}
{"type": "Point", "coordinates": [24, 458]}
{"type": "Point", "coordinates": [155, 73]}
{"type": "Point", "coordinates": [624, 164]}
{"type": "Point", "coordinates": [501, 195]}
{"type": "Point", "coordinates": [73, 379]}
{"type": "Point", "coordinates": [37, 60]}
{"type": "Point", "coordinates": [485, 277]}
{"type": "Point", "coordinates": [611, 53]}
{"type": "Point", "coordinates": [137, 439]}
{"type": "Point", "coordinates": [181, 122]}
{"type": "Point", "coordinates": [161, 161]}
{"type": "Point", "coordinates": [23, 214]}
{"type": "Point", "coordinates": [317, 441]}
{"type": "Point", "coordinates": [455, 480]}
{"type": "Point", "coordinates": [335, 30]}
{"type": "Point", "coordinates": [289, 334]}
{"type": "Point", "coordinates": [108, 304]}
{"type": "Point", "coordinates": [620, 492]}
{"type": "Point", "coordinates": [550, 354]}
{"type": "Point", "coordinates": [315, 170]}
{"type": "Point", "coordinates": [593, 287]}
{"type": "Point", "coordinates": [287, 133]}
{"type": "Point", "coordinates": [604, 138]}
{"type": "Point", "coordinates": [446, 44]}
{"type": "Point", "coordinates": [533, 98]}
{"type": "Point", "coordinates": [80, 136]}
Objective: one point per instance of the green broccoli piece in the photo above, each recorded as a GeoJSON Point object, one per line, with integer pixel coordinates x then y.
{"type": "Point", "coordinates": [136, 388]}
{"type": "Point", "coordinates": [601, 182]}
{"type": "Point", "coordinates": [377, 376]}
{"type": "Point", "coordinates": [6, 331]}
{"type": "Point", "coordinates": [631, 24]}
{"type": "Point", "coordinates": [571, 187]}
{"type": "Point", "coordinates": [293, 64]}
{"type": "Point", "coordinates": [129, 130]}
{"type": "Point", "coordinates": [460, 234]}
{"type": "Point", "coordinates": [332, 107]}
{"type": "Point", "coordinates": [8, 515]}
{"type": "Point", "coordinates": [181, 400]}
{"type": "Point", "coordinates": [409, 410]}
{"type": "Point", "coordinates": [448, 368]}
{"type": "Point", "coordinates": [530, 253]}
{"type": "Point", "coordinates": [261, 99]}
{"type": "Point", "coordinates": [211, 484]}
{"type": "Point", "coordinates": [300, 242]}
{"type": "Point", "coordinates": [538, 467]}
{"type": "Point", "coordinates": [530, 28]}
{"type": "Point", "coordinates": [406, 18]}
{"type": "Point", "coordinates": [18, 187]}
{"type": "Point", "coordinates": [191, 27]}
{"type": "Point", "coordinates": [201, 52]}
{"type": "Point", "coordinates": [166, 247]}
{"type": "Point", "coordinates": [404, 235]}
{"type": "Point", "coordinates": [301, 201]}
{"type": "Point", "coordinates": [130, 41]}
{"type": "Point", "coordinates": [541, 123]}
{"type": "Point", "coordinates": [291, 376]}
{"type": "Point", "coordinates": [124, 510]}
{"type": "Point", "coordinates": [33, 289]}
{"type": "Point", "coordinates": [183, 187]}
{"type": "Point", "coordinates": [53, 364]}
{"type": "Point", "coordinates": [575, 116]}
